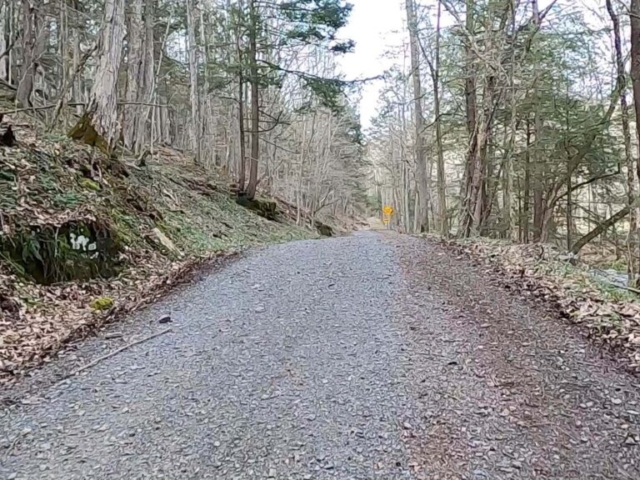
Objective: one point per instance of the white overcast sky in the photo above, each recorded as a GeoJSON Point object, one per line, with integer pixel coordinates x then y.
{"type": "Point", "coordinates": [377, 26]}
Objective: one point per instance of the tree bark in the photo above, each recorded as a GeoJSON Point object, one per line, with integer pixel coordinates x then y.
{"type": "Point", "coordinates": [539, 206]}
{"type": "Point", "coordinates": [5, 38]}
{"type": "Point", "coordinates": [468, 207]}
{"type": "Point", "coordinates": [634, 265]}
{"type": "Point", "coordinates": [602, 228]}
{"type": "Point", "coordinates": [147, 75]}
{"type": "Point", "coordinates": [242, 162]}
{"type": "Point", "coordinates": [442, 186]}
{"type": "Point", "coordinates": [192, 17]}
{"type": "Point", "coordinates": [101, 117]}
{"type": "Point", "coordinates": [422, 215]}
{"type": "Point", "coordinates": [255, 101]}
{"type": "Point", "coordinates": [135, 65]}
{"type": "Point", "coordinates": [526, 194]}
{"type": "Point", "coordinates": [30, 28]}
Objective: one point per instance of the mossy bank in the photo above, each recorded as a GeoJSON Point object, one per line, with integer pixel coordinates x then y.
{"type": "Point", "coordinates": [86, 235]}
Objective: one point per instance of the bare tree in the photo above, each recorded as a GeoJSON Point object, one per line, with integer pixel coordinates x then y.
{"type": "Point", "coordinates": [422, 216]}
{"type": "Point", "coordinates": [192, 18]}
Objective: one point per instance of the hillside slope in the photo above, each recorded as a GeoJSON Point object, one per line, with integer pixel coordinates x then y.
{"type": "Point", "coordinates": [86, 237]}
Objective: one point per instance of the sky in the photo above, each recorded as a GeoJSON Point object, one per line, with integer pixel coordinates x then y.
{"type": "Point", "coordinates": [375, 25]}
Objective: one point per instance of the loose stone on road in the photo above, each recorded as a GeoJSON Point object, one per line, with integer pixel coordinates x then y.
{"type": "Point", "coordinates": [370, 356]}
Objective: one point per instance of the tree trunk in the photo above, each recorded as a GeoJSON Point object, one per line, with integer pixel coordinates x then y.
{"type": "Point", "coordinates": [192, 17]}
{"type": "Point", "coordinates": [468, 207]}
{"type": "Point", "coordinates": [569, 212]}
{"type": "Point", "coordinates": [442, 187]}
{"type": "Point", "coordinates": [135, 65]}
{"type": "Point", "coordinates": [255, 101]}
{"type": "Point", "coordinates": [76, 84]}
{"type": "Point", "coordinates": [30, 25]}
{"type": "Point", "coordinates": [539, 206]}
{"type": "Point", "coordinates": [526, 194]}
{"type": "Point", "coordinates": [99, 126]}
{"type": "Point", "coordinates": [147, 75]}
{"type": "Point", "coordinates": [5, 38]}
{"type": "Point", "coordinates": [634, 227]}
{"type": "Point", "coordinates": [602, 228]}
{"type": "Point", "coordinates": [422, 215]}
{"type": "Point", "coordinates": [510, 140]}
{"type": "Point", "coordinates": [242, 172]}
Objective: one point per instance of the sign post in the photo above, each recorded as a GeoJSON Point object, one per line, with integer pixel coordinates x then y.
{"type": "Point", "coordinates": [387, 213]}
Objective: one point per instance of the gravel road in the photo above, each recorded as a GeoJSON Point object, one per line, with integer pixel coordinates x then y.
{"type": "Point", "coordinates": [374, 356]}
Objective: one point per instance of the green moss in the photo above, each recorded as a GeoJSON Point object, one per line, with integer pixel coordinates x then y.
{"type": "Point", "coordinates": [66, 200]}
{"type": "Point", "coordinates": [49, 183]}
{"type": "Point", "coordinates": [89, 184]}
{"type": "Point", "coordinates": [102, 304]}
{"type": "Point", "coordinates": [85, 132]}
{"type": "Point", "coordinates": [126, 227]}
{"type": "Point", "coordinates": [47, 254]}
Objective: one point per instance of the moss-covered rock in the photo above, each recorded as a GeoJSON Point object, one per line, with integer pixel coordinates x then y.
{"type": "Point", "coordinates": [265, 208]}
{"type": "Point", "coordinates": [102, 304]}
{"type": "Point", "coordinates": [76, 250]}
{"type": "Point", "coordinates": [324, 229]}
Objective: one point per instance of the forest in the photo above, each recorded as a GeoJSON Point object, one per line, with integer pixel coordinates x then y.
{"type": "Point", "coordinates": [507, 119]}
{"type": "Point", "coordinates": [249, 88]}
{"type": "Point", "coordinates": [515, 120]}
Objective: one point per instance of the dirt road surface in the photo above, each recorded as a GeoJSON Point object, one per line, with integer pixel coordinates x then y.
{"type": "Point", "coordinates": [374, 356]}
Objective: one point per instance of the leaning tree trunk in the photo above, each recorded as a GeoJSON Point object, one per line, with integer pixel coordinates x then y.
{"type": "Point", "coordinates": [422, 215]}
{"type": "Point", "coordinates": [99, 126]}
{"type": "Point", "coordinates": [602, 228]}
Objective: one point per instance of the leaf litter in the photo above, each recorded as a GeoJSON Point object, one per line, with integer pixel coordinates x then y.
{"type": "Point", "coordinates": [610, 317]}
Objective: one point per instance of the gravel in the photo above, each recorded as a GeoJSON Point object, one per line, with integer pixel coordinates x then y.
{"type": "Point", "coordinates": [506, 388]}
{"type": "Point", "coordinates": [370, 356]}
{"type": "Point", "coordinates": [283, 365]}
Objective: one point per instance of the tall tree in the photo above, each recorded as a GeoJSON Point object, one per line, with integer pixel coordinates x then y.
{"type": "Point", "coordinates": [634, 13]}
{"type": "Point", "coordinates": [99, 126]}
{"type": "Point", "coordinates": [422, 215]}
{"type": "Point", "coordinates": [472, 171]}
{"type": "Point", "coordinates": [192, 19]}
{"type": "Point", "coordinates": [634, 257]}
{"type": "Point", "coordinates": [31, 21]}
{"type": "Point", "coordinates": [302, 25]}
{"type": "Point", "coordinates": [135, 68]}
{"type": "Point", "coordinates": [442, 182]}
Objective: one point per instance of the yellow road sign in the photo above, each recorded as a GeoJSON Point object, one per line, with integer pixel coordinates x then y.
{"type": "Point", "coordinates": [388, 210]}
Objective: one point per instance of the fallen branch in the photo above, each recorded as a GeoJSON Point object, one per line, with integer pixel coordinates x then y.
{"type": "Point", "coordinates": [114, 353]}
{"type": "Point", "coordinates": [628, 289]}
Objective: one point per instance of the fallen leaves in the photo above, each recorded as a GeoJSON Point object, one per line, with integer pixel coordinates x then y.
{"type": "Point", "coordinates": [539, 271]}
{"type": "Point", "coordinates": [51, 316]}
